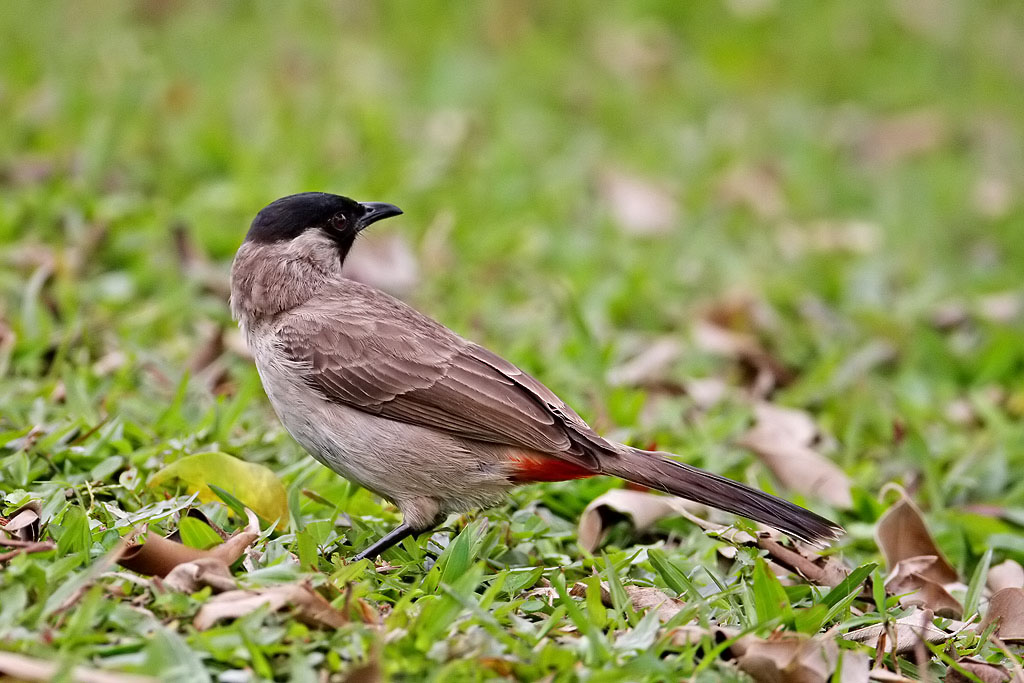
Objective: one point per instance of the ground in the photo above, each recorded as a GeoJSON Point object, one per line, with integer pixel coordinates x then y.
{"type": "Point", "coordinates": [679, 216]}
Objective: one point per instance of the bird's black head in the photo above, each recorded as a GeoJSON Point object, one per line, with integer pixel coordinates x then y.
{"type": "Point", "coordinates": [339, 217]}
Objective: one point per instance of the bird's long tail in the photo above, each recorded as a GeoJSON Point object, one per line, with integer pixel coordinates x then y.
{"type": "Point", "coordinates": [656, 471]}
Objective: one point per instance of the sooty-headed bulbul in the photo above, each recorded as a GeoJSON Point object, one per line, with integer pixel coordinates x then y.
{"type": "Point", "coordinates": [401, 405]}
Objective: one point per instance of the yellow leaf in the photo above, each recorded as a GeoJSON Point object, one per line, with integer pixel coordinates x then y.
{"type": "Point", "coordinates": [255, 485]}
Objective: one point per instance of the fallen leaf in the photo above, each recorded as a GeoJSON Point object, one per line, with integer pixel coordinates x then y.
{"type": "Point", "coordinates": [1007, 608]}
{"type": "Point", "coordinates": [384, 261]}
{"type": "Point", "coordinates": [1008, 574]}
{"type": "Point", "coordinates": [901, 535]}
{"type": "Point", "coordinates": [649, 367]}
{"type": "Point", "coordinates": [637, 205]}
{"type": "Point", "coordinates": [797, 425]}
{"type": "Point", "coordinates": [782, 439]}
{"type": "Point", "coordinates": [983, 671]}
{"type": "Point", "coordinates": [907, 630]}
{"type": "Point", "coordinates": [961, 412]}
{"type": "Point", "coordinates": [691, 634]}
{"type": "Point", "coordinates": [765, 370]}
{"type": "Point", "coordinates": [822, 570]}
{"type": "Point", "coordinates": [190, 577]}
{"type": "Point", "coordinates": [311, 607]}
{"type": "Point", "coordinates": [640, 507]}
{"type": "Point", "coordinates": [25, 668]}
{"type": "Point", "coordinates": [757, 188]}
{"type": "Point", "coordinates": [798, 659]}
{"type": "Point", "coordinates": [649, 597]}
{"type": "Point", "coordinates": [255, 485]}
{"type": "Point", "coordinates": [641, 597]}
{"type": "Point", "coordinates": [23, 524]}
{"type": "Point", "coordinates": [158, 556]}
{"type": "Point", "coordinates": [949, 315]}
{"type": "Point", "coordinates": [993, 196]}
{"type": "Point", "coordinates": [706, 392]}
{"type": "Point", "coordinates": [368, 672]}
{"type": "Point", "coordinates": [896, 138]}
{"type": "Point", "coordinates": [634, 53]}
{"type": "Point", "coordinates": [1002, 307]}
{"type": "Point", "coordinates": [908, 579]}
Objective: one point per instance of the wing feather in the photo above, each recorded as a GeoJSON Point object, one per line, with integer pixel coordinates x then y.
{"type": "Point", "coordinates": [371, 352]}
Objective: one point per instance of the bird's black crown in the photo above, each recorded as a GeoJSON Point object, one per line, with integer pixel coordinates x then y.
{"type": "Point", "coordinates": [340, 217]}
{"type": "Point", "coordinates": [288, 217]}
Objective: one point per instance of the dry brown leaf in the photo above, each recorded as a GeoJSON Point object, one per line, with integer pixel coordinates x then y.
{"type": "Point", "coordinates": [993, 196]}
{"type": "Point", "coordinates": [649, 597]}
{"type": "Point", "coordinates": [983, 671]}
{"type": "Point", "coordinates": [1008, 574]}
{"type": "Point", "coordinates": [793, 659]}
{"type": "Point", "coordinates": [642, 508]}
{"type": "Point", "coordinates": [158, 556]}
{"type": "Point", "coordinates": [23, 524]}
{"type": "Point", "coordinates": [757, 188]}
{"type": "Point", "coordinates": [579, 590]}
{"type": "Point", "coordinates": [649, 367]}
{"type": "Point", "coordinates": [961, 412]}
{"type": "Point", "coordinates": [721, 341]}
{"type": "Point", "coordinates": [691, 634]}
{"type": "Point", "coordinates": [766, 372]}
{"type": "Point", "coordinates": [633, 53]}
{"type": "Point", "coordinates": [906, 630]}
{"type": "Point", "coordinates": [706, 392]}
{"type": "Point", "coordinates": [782, 439]}
{"type": "Point", "coordinates": [385, 261]}
{"type": "Point", "coordinates": [797, 425]}
{"type": "Point", "coordinates": [909, 580]}
{"type": "Point", "coordinates": [893, 139]}
{"type": "Point", "coordinates": [1002, 307]}
{"type": "Point", "coordinates": [949, 315]}
{"type": "Point", "coordinates": [637, 205]}
{"type": "Point", "coordinates": [311, 607]}
{"type": "Point", "coordinates": [822, 570]}
{"type": "Point", "coordinates": [901, 535]}
{"type": "Point", "coordinates": [1006, 607]}
{"type": "Point", "coordinates": [641, 597]}
{"type": "Point", "coordinates": [190, 577]}
{"type": "Point", "coordinates": [25, 668]}
{"type": "Point", "coordinates": [369, 672]}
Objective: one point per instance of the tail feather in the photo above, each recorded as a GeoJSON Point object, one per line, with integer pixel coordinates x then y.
{"type": "Point", "coordinates": [655, 470]}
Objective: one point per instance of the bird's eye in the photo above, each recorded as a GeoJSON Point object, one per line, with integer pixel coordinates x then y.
{"type": "Point", "coordinates": [338, 221]}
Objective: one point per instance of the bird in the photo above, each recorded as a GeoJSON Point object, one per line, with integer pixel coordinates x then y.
{"type": "Point", "coordinates": [399, 404]}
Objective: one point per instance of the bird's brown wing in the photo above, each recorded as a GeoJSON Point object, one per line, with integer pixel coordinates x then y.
{"type": "Point", "coordinates": [387, 359]}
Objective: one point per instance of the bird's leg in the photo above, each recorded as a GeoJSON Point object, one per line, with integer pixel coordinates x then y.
{"type": "Point", "coordinates": [386, 541]}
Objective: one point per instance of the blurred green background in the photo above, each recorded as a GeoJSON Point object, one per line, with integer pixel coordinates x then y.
{"type": "Point", "coordinates": [840, 180]}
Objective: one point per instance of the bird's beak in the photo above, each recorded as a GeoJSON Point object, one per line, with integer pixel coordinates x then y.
{"type": "Point", "coordinates": [376, 211]}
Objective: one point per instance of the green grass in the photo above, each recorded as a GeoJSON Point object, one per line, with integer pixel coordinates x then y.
{"type": "Point", "coordinates": [495, 127]}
